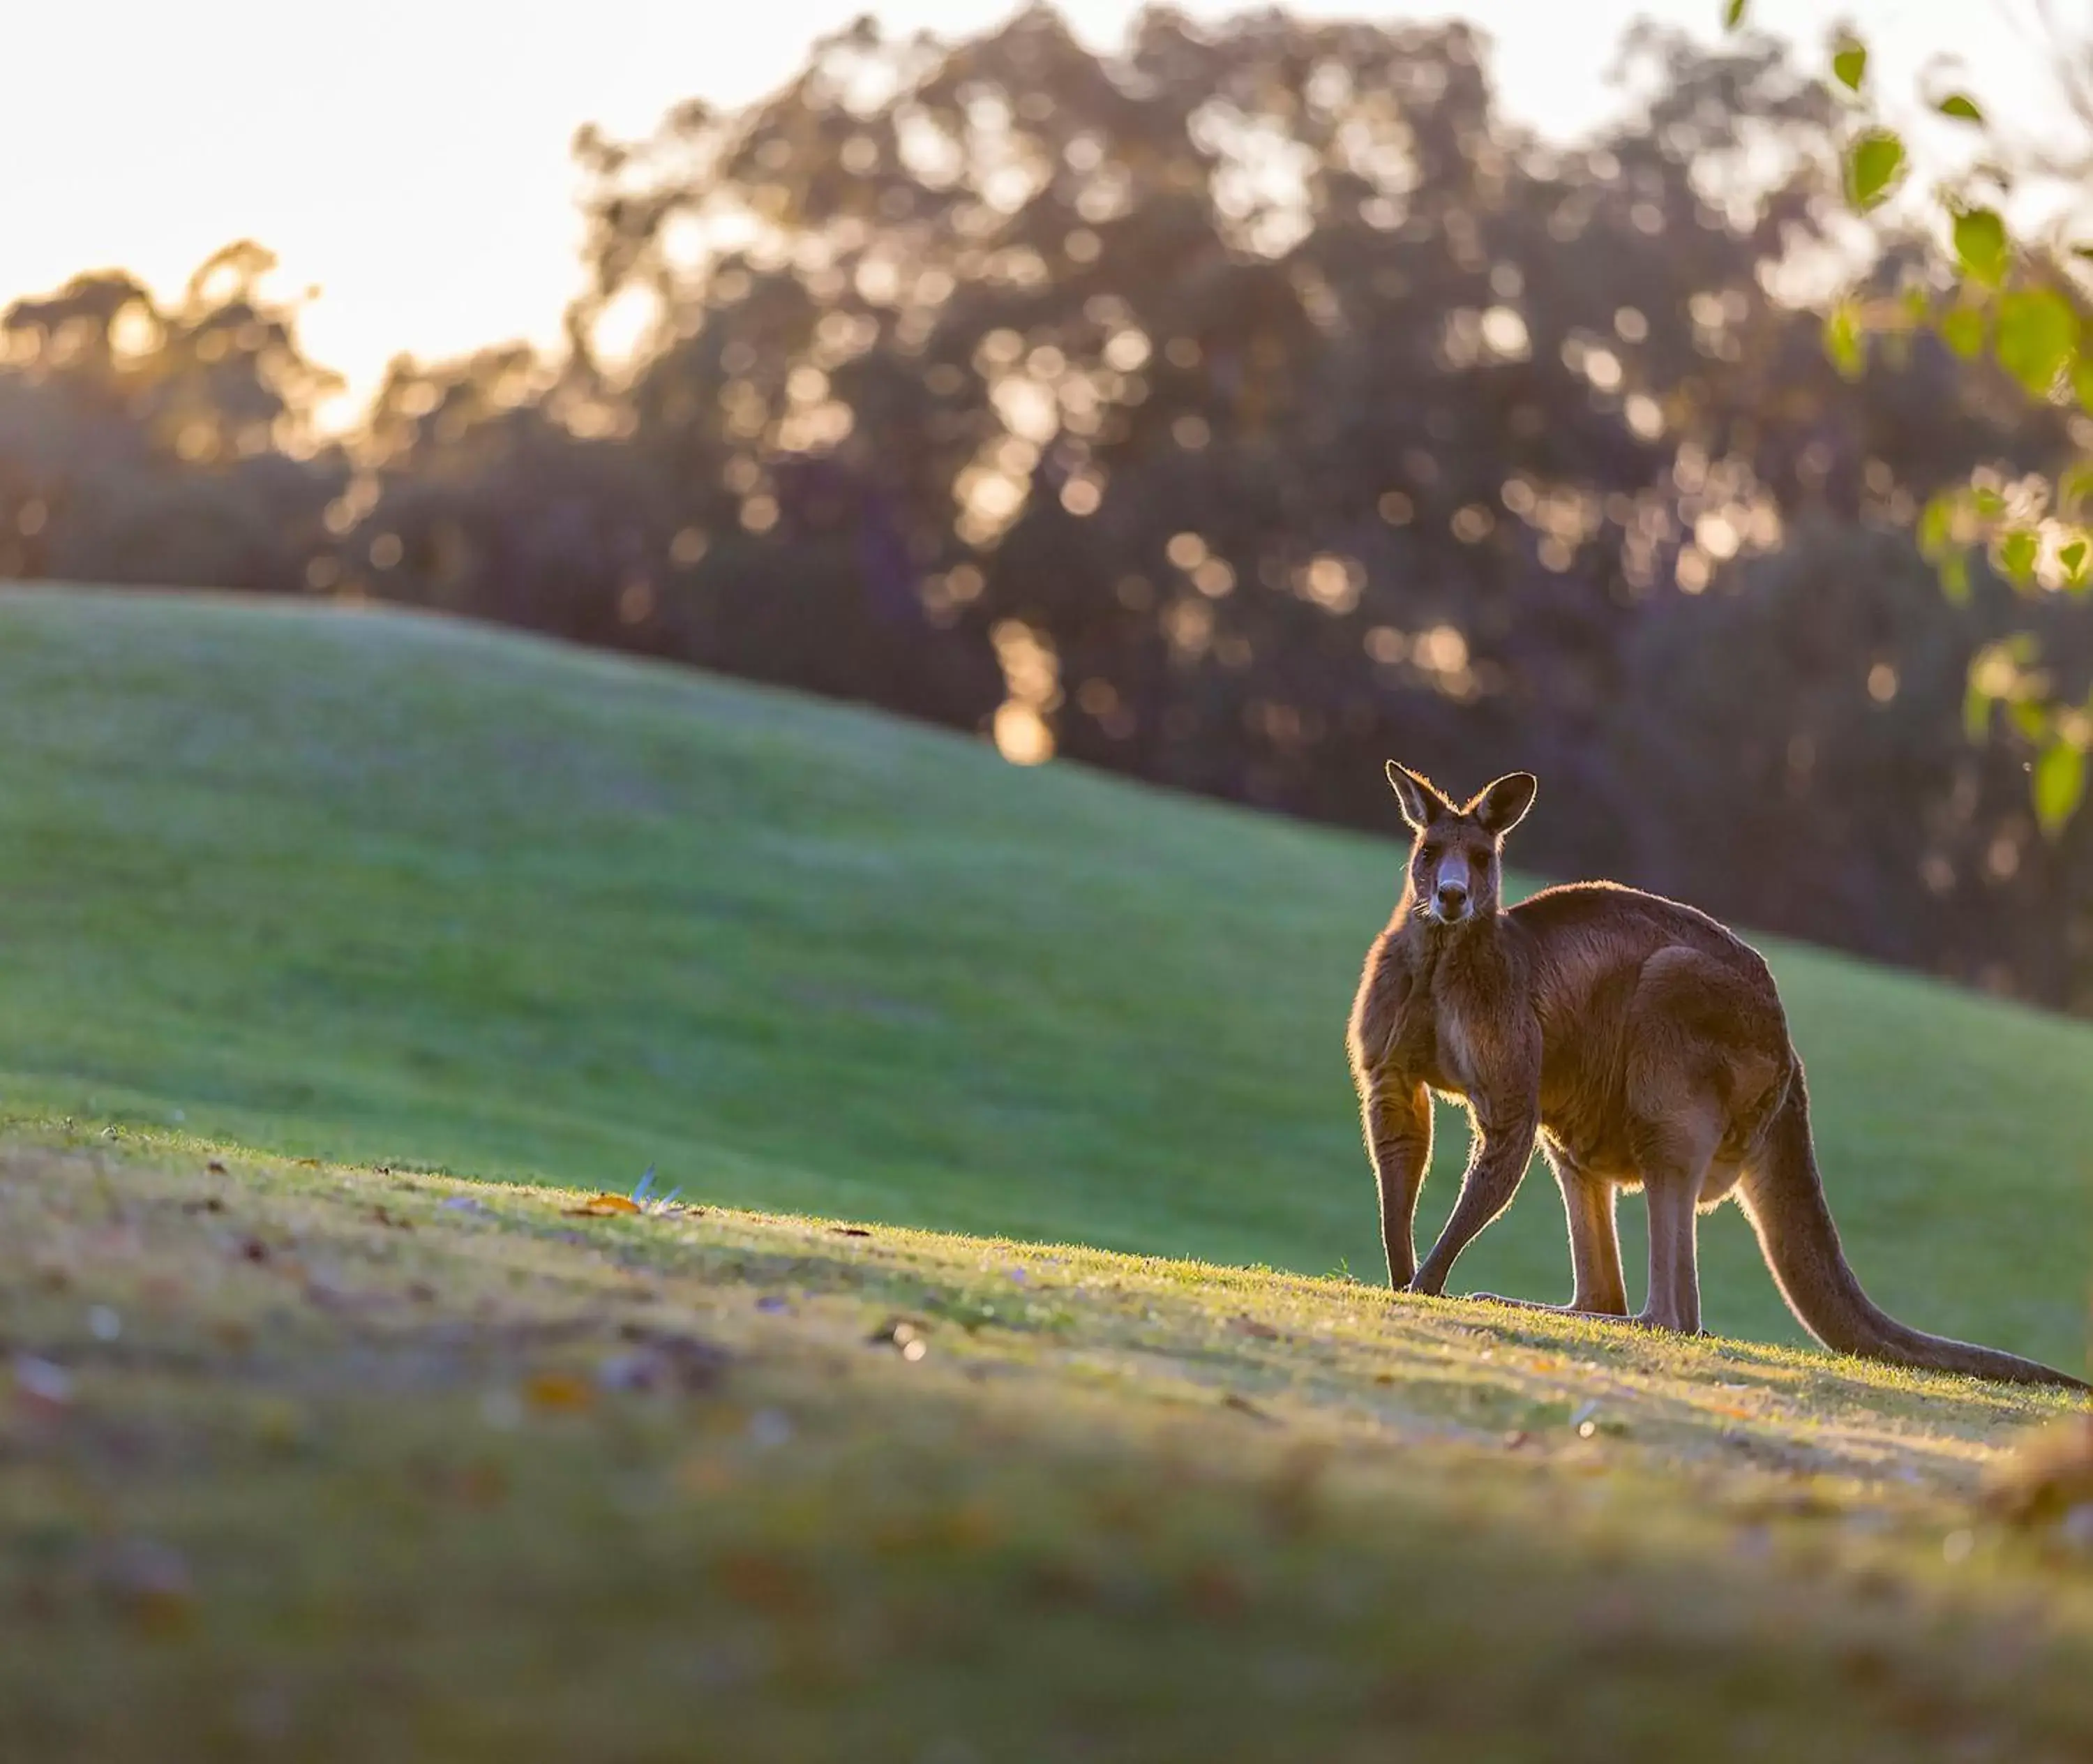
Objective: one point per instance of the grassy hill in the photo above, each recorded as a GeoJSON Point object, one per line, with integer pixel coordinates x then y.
{"type": "Point", "coordinates": [375, 887]}
{"type": "Point", "coordinates": [328, 1464]}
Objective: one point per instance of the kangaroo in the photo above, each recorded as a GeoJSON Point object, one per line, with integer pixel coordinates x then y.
{"type": "Point", "coordinates": [1645, 1046]}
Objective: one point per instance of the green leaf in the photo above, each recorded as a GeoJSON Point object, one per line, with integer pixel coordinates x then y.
{"type": "Point", "coordinates": [2074, 483]}
{"type": "Point", "coordinates": [1987, 502]}
{"type": "Point", "coordinates": [2059, 784]}
{"type": "Point", "coordinates": [1872, 166]}
{"type": "Point", "coordinates": [1962, 109]}
{"type": "Point", "coordinates": [1962, 330]}
{"type": "Point", "coordinates": [1842, 340]}
{"type": "Point", "coordinates": [2017, 555]}
{"type": "Point", "coordinates": [2081, 382]}
{"type": "Point", "coordinates": [1849, 62]}
{"type": "Point", "coordinates": [1976, 712]}
{"type": "Point", "coordinates": [1936, 522]}
{"type": "Point", "coordinates": [1980, 243]}
{"type": "Point", "coordinates": [1733, 14]}
{"type": "Point", "coordinates": [2029, 716]}
{"type": "Point", "coordinates": [1955, 577]}
{"type": "Point", "coordinates": [2038, 335]}
{"type": "Point", "coordinates": [2073, 557]}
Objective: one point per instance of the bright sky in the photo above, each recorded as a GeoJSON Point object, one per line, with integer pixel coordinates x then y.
{"type": "Point", "coordinates": [409, 157]}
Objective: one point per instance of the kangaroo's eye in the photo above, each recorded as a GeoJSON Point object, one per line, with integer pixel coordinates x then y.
{"type": "Point", "coordinates": [1429, 853]}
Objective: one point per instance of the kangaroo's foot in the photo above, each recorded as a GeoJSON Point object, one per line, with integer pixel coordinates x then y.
{"type": "Point", "coordinates": [1575, 1308]}
{"type": "Point", "coordinates": [1646, 1320]}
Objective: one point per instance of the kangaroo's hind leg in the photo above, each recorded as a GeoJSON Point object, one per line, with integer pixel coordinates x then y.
{"type": "Point", "coordinates": [1692, 1036]}
{"type": "Point", "coordinates": [1673, 1154]}
{"type": "Point", "coordinates": [1595, 1241]}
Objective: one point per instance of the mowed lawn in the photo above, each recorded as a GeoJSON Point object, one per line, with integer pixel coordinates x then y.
{"type": "Point", "coordinates": [397, 890]}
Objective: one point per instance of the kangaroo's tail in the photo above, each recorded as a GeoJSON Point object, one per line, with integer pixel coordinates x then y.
{"type": "Point", "coordinates": [1784, 1197]}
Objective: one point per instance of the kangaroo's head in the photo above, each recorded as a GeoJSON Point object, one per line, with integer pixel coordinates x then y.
{"type": "Point", "coordinates": [1456, 859]}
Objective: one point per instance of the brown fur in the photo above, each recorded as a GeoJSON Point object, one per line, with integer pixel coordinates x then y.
{"type": "Point", "coordinates": [1645, 1046]}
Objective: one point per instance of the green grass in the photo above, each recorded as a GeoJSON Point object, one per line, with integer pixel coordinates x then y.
{"type": "Point", "coordinates": [334, 1465]}
{"type": "Point", "coordinates": [393, 889]}
{"type": "Point", "coordinates": [306, 1451]}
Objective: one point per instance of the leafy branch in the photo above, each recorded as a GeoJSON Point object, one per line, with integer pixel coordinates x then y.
{"type": "Point", "coordinates": [2011, 300]}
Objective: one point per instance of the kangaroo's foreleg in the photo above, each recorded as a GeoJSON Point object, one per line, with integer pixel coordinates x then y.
{"type": "Point", "coordinates": [1504, 1147]}
{"type": "Point", "coordinates": [1399, 1128]}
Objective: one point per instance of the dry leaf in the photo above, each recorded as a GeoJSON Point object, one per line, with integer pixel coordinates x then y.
{"type": "Point", "coordinates": [559, 1390]}
{"type": "Point", "coordinates": [603, 1206]}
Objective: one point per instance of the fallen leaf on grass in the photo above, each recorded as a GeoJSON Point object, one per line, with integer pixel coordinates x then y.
{"type": "Point", "coordinates": [559, 1391]}
{"type": "Point", "coordinates": [768, 1584]}
{"type": "Point", "coordinates": [603, 1205]}
{"type": "Point", "coordinates": [642, 1198]}
{"type": "Point", "coordinates": [850, 1231]}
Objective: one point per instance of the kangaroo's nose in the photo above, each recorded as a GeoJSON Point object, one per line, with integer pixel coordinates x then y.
{"type": "Point", "coordinates": [1453, 897]}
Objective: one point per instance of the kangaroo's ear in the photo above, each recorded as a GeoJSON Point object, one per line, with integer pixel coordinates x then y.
{"type": "Point", "coordinates": [1498, 807]}
{"type": "Point", "coordinates": [1422, 803]}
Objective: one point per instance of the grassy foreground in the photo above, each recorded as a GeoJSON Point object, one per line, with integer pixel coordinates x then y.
{"type": "Point", "coordinates": [334, 1464]}
{"type": "Point", "coordinates": [390, 889]}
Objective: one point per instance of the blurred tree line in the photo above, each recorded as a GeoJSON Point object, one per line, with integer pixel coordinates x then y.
{"type": "Point", "coordinates": [1234, 413]}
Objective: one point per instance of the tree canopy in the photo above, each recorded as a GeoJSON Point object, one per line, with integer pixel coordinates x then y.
{"type": "Point", "coordinates": [1233, 411]}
